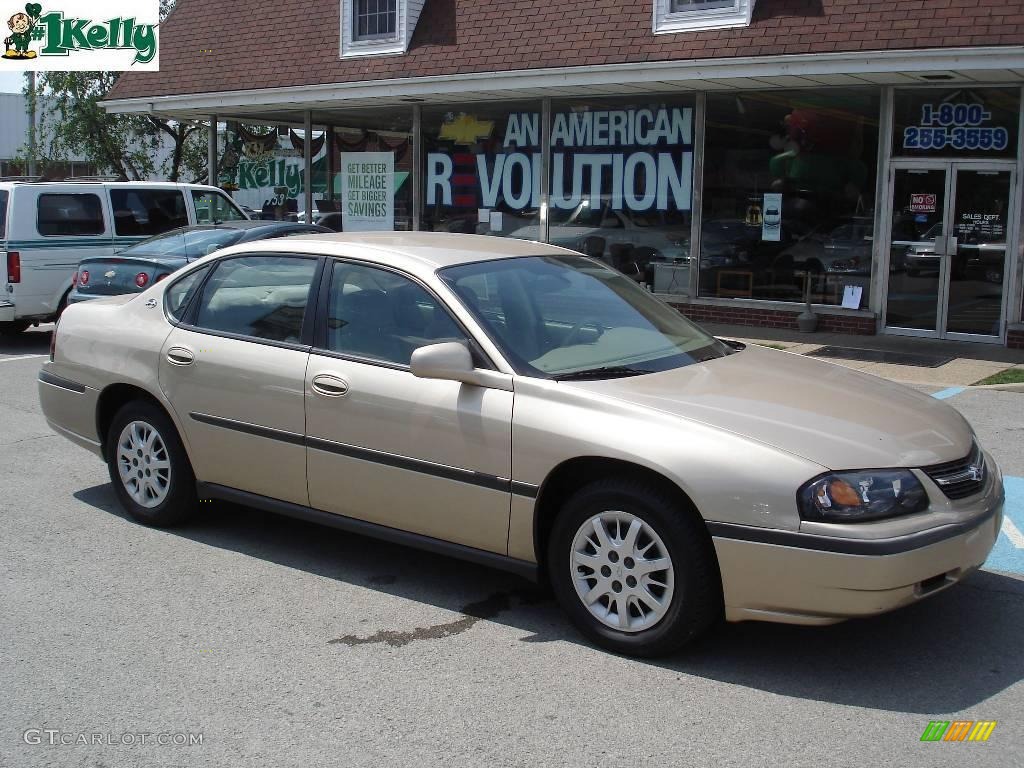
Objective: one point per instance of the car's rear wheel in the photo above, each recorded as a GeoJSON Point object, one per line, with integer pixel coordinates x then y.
{"type": "Point", "coordinates": [634, 570]}
{"type": "Point", "coordinates": [148, 466]}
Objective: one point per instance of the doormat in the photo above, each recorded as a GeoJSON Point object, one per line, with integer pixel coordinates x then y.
{"type": "Point", "coordinates": [882, 356]}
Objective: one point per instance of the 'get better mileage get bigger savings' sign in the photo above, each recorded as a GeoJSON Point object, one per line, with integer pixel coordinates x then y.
{"type": "Point", "coordinates": [368, 191]}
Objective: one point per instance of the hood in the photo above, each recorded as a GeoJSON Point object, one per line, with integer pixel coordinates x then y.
{"type": "Point", "coordinates": [831, 415]}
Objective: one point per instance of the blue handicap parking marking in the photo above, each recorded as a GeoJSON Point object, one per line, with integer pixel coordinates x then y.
{"type": "Point", "coordinates": [1008, 554]}
{"type": "Point", "coordinates": [948, 392]}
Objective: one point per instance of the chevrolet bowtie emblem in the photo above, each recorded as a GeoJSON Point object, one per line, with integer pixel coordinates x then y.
{"type": "Point", "coordinates": [466, 129]}
{"type": "Point", "coordinates": [109, 274]}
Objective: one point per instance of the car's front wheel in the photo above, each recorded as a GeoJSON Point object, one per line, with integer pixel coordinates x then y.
{"type": "Point", "coordinates": [634, 570]}
{"type": "Point", "coordinates": [148, 466]}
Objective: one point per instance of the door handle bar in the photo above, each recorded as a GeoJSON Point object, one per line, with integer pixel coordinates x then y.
{"type": "Point", "coordinates": [329, 386]}
{"type": "Point", "coordinates": [180, 356]}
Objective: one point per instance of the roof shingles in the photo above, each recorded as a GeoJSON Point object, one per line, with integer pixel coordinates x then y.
{"type": "Point", "coordinates": [248, 44]}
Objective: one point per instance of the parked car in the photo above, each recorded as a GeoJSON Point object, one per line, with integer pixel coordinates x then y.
{"type": "Point", "coordinates": [975, 257]}
{"type": "Point", "coordinates": [841, 246]}
{"type": "Point", "coordinates": [331, 220]}
{"type": "Point", "coordinates": [527, 407]}
{"type": "Point", "coordinates": [152, 260]}
{"type": "Point", "coordinates": [595, 230]}
{"type": "Point", "coordinates": [46, 228]}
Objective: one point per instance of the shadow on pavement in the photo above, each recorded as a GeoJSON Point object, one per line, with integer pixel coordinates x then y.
{"type": "Point", "coordinates": [943, 655]}
{"type": "Point", "coordinates": [34, 341]}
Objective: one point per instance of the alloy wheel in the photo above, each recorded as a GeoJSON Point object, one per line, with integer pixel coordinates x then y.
{"type": "Point", "coordinates": [143, 464]}
{"type": "Point", "coordinates": [622, 571]}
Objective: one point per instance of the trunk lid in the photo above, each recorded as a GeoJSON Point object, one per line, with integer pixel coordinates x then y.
{"type": "Point", "coordinates": [116, 275]}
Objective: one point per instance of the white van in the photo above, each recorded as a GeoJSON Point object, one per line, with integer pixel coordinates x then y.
{"type": "Point", "coordinates": [46, 228]}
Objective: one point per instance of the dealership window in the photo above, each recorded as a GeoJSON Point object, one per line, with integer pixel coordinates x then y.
{"type": "Point", "coordinates": [788, 198]}
{"type": "Point", "coordinates": [956, 122]}
{"type": "Point", "coordinates": [371, 187]}
{"type": "Point", "coordinates": [481, 169]}
{"type": "Point", "coordinates": [621, 185]}
{"type": "Point", "coordinates": [694, 15]}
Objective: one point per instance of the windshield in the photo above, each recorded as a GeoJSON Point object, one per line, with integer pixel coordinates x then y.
{"type": "Point", "coordinates": [554, 316]}
{"type": "Point", "coordinates": [179, 244]}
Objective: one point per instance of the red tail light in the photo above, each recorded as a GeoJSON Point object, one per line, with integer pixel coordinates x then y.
{"type": "Point", "coordinates": [162, 276]}
{"type": "Point", "coordinates": [13, 267]}
{"type": "Point", "coordinates": [83, 277]}
{"type": "Point", "coordinates": [141, 279]}
{"type": "Point", "coordinates": [74, 279]}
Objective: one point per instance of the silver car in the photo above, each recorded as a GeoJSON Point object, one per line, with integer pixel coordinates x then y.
{"type": "Point", "coordinates": [527, 407]}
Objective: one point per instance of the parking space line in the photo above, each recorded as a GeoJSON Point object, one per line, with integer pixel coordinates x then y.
{"type": "Point", "coordinates": [20, 357]}
{"type": "Point", "coordinates": [1013, 533]}
{"type": "Point", "coordinates": [948, 392]}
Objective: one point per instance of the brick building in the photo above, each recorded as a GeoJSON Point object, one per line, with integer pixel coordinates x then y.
{"type": "Point", "coordinates": [741, 157]}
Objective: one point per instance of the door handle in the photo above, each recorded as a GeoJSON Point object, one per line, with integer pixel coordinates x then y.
{"type": "Point", "coordinates": [180, 356]}
{"type": "Point", "coordinates": [329, 386]}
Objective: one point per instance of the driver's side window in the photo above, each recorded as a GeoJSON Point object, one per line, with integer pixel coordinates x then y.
{"type": "Point", "coordinates": [381, 315]}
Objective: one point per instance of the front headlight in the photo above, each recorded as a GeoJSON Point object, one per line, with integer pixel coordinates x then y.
{"type": "Point", "coordinates": [861, 495]}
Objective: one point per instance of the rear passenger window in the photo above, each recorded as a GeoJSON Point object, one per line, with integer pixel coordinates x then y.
{"type": "Point", "coordinates": [3, 213]}
{"type": "Point", "coordinates": [77, 214]}
{"type": "Point", "coordinates": [179, 295]}
{"type": "Point", "coordinates": [147, 211]}
{"type": "Point", "coordinates": [380, 315]}
{"type": "Point", "coordinates": [263, 297]}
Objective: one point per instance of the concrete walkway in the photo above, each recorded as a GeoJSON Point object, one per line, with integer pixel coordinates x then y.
{"type": "Point", "coordinates": [971, 362]}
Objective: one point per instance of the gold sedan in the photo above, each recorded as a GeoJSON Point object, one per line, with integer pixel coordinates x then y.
{"type": "Point", "coordinates": [524, 406]}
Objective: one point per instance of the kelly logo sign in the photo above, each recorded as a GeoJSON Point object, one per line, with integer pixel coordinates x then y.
{"type": "Point", "coordinates": [112, 35]}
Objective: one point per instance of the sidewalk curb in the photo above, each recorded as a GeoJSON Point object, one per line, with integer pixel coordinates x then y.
{"type": "Point", "coordinates": [1000, 387]}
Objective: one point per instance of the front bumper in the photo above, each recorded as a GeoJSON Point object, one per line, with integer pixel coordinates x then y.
{"type": "Point", "coordinates": [814, 579]}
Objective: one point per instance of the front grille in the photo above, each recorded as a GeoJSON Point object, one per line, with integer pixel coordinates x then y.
{"type": "Point", "coordinates": [961, 478]}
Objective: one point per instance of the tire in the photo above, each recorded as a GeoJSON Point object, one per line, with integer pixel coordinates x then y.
{"type": "Point", "coordinates": [152, 502]}
{"type": "Point", "coordinates": [691, 598]}
{"type": "Point", "coordinates": [13, 327]}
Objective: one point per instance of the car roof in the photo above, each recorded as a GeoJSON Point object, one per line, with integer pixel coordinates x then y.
{"type": "Point", "coordinates": [416, 251]}
{"type": "Point", "coordinates": [10, 183]}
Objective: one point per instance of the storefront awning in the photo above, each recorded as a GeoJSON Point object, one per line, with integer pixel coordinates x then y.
{"type": "Point", "coordinates": [993, 65]}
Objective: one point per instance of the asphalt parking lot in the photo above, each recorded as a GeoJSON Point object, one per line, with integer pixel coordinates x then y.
{"type": "Point", "coordinates": [285, 644]}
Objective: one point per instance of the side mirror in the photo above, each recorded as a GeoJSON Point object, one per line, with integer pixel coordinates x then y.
{"type": "Point", "coordinates": [452, 361]}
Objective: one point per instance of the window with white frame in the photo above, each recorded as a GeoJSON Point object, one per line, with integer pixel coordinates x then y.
{"type": "Point", "coordinates": [696, 15]}
{"type": "Point", "coordinates": [374, 19]}
{"type": "Point", "coordinates": [687, 6]}
{"type": "Point", "coordinates": [377, 27]}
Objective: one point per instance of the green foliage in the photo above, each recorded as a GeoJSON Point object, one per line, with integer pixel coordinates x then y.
{"type": "Point", "coordinates": [1008, 376]}
{"type": "Point", "coordinates": [72, 123]}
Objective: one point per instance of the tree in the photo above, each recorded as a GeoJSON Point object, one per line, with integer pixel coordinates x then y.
{"type": "Point", "coordinates": [72, 123]}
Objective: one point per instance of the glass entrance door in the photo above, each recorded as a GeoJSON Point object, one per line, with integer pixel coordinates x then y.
{"type": "Point", "coordinates": [947, 256]}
